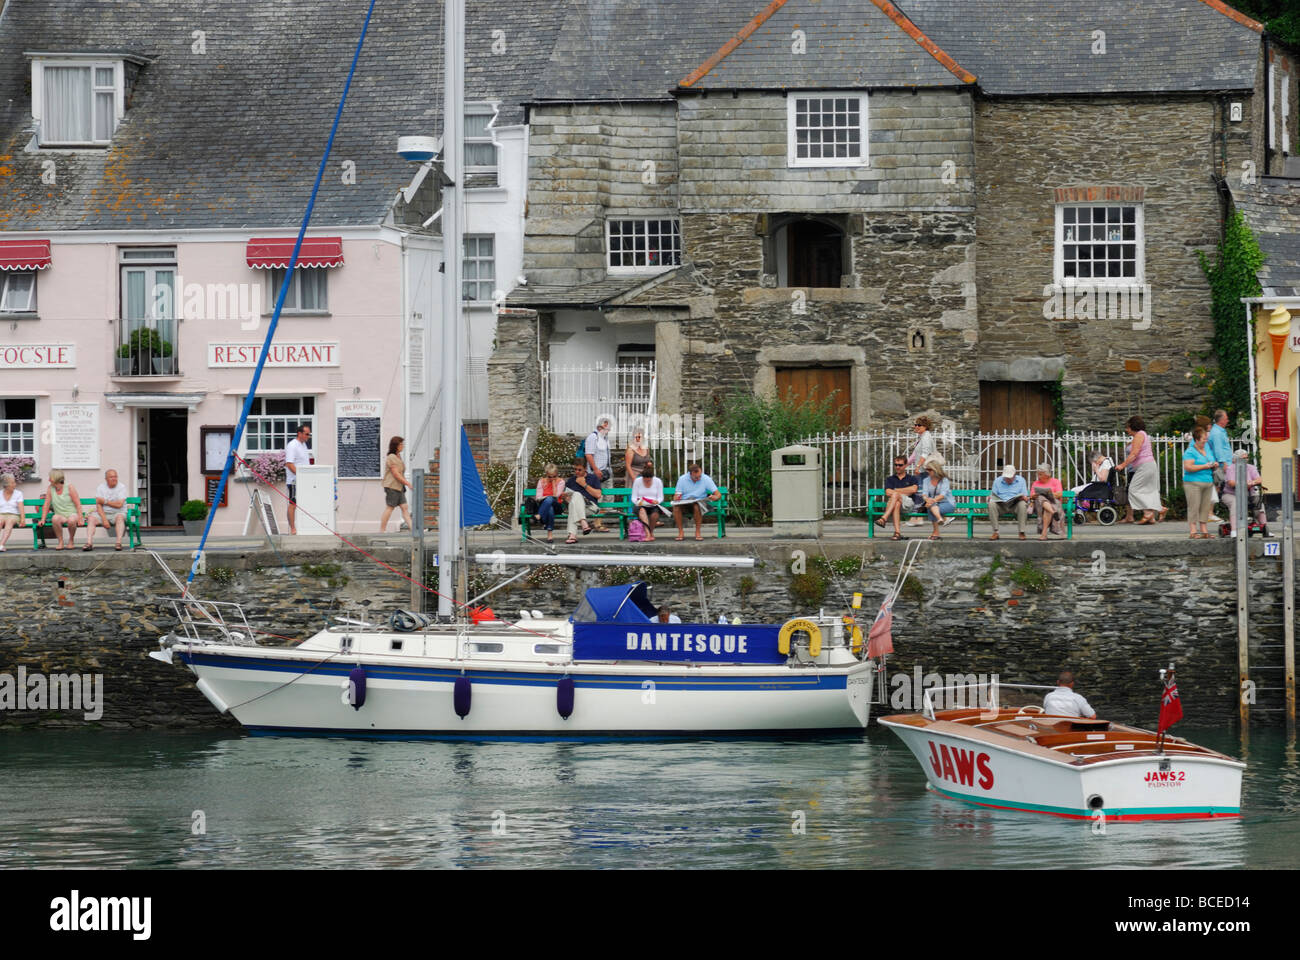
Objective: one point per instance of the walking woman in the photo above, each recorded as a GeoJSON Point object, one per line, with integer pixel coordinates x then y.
{"type": "Point", "coordinates": [395, 485]}
{"type": "Point", "coordinates": [921, 454]}
{"type": "Point", "coordinates": [1144, 484]}
{"type": "Point", "coordinates": [1198, 481]}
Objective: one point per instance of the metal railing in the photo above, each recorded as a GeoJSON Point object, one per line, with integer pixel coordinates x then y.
{"type": "Point", "coordinates": [573, 396]}
{"type": "Point", "coordinates": [204, 621]}
{"type": "Point", "coordinates": [141, 350]}
{"type": "Point", "coordinates": [858, 462]}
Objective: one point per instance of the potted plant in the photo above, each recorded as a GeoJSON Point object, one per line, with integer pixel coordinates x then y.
{"type": "Point", "coordinates": [193, 513]}
{"type": "Point", "coordinates": [163, 361]}
{"type": "Point", "coordinates": [143, 344]}
{"type": "Point", "coordinates": [125, 361]}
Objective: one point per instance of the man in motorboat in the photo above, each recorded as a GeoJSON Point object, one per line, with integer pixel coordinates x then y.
{"type": "Point", "coordinates": [1064, 702]}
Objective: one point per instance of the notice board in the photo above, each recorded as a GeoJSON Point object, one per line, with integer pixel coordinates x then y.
{"type": "Point", "coordinates": [360, 439]}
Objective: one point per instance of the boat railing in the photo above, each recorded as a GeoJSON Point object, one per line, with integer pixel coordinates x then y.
{"type": "Point", "coordinates": [210, 621]}
{"type": "Point", "coordinates": [991, 696]}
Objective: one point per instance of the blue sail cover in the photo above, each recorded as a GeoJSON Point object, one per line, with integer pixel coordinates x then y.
{"type": "Point", "coordinates": [474, 508]}
{"type": "Point", "coordinates": [678, 642]}
{"type": "Point", "coordinates": [628, 603]}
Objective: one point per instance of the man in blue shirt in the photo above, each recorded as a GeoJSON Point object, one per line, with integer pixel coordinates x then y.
{"type": "Point", "coordinates": [1009, 493]}
{"type": "Point", "coordinates": [693, 487]}
{"type": "Point", "coordinates": [1219, 446]}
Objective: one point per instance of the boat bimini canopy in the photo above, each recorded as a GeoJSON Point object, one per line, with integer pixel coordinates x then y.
{"type": "Point", "coordinates": [629, 603]}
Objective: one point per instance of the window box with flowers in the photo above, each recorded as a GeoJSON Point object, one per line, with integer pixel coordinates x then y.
{"type": "Point", "coordinates": [22, 468]}
{"type": "Point", "coordinates": [266, 467]}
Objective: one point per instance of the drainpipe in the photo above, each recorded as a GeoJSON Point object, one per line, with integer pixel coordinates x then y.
{"type": "Point", "coordinates": [1268, 107]}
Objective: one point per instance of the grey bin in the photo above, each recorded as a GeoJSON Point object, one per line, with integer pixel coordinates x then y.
{"type": "Point", "coordinates": [798, 492]}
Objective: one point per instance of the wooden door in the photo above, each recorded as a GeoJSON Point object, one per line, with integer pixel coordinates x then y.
{"type": "Point", "coordinates": [1008, 406]}
{"type": "Point", "coordinates": [818, 384]}
{"type": "Point", "coordinates": [815, 254]}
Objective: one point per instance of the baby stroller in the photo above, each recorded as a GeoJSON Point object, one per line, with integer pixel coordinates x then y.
{"type": "Point", "coordinates": [1103, 498]}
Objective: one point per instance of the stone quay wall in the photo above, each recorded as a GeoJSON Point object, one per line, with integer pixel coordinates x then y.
{"type": "Point", "coordinates": [1021, 611]}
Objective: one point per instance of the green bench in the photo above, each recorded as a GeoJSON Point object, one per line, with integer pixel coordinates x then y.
{"type": "Point", "coordinates": [971, 505]}
{"type": "Point", "coordinates": [616, 505]}
{"type": "Point", "coordinates": [131, 509]}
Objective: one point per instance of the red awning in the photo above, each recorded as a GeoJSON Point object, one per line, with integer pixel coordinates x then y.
{"type": "Point", "coordinates": [266, 253]}
{"type": "Point", "coordinates": [24, 254]}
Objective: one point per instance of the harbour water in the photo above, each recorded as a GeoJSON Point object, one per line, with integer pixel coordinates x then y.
{"type": "Point", "coordinates": [132, 800]}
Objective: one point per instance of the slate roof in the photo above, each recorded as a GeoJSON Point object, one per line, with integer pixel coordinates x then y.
{"type": "Point", "coordinates": [613, 49]}
{"type": "Point", "coordinates": [1272, 211]}
{"type": "Point", "coordinates": [1026, 47]}
{"type": "Point", "coordinates": [232, 138]}
{"type": "Point", "coordinates": [591, 294]}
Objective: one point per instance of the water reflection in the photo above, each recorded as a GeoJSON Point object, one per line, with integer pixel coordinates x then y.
{"type": "Point", "coordinates": [129, 800]}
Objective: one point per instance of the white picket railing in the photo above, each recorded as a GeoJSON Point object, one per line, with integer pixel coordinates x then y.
{"type": "Point", "coordinates": [574, 396]}
{"type": "Point", "coordinates": [857, 462]}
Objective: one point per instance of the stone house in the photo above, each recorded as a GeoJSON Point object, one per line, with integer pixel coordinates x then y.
{"type": "Point", "coordinates": [887, 203]}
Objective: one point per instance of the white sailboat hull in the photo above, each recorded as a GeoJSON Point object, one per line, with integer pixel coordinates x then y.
{"type": "Point", "coordinates": [290, 691]}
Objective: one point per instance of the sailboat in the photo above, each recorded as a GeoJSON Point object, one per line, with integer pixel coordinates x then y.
{"type": "Point", "coordinates": [608, 670]}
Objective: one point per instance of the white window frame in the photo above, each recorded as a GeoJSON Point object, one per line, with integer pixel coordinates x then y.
{"type": "Point", "coordinates": [490, 111]}
{"type": "Point", "coordinates": [273, 291]}
{"type": "Point", "coordinates": [622, 270]}
{"type": "Point", "coordinates": [1139, 267]}
{"type": "Point", "coordinates": [291, 423]}
{"type": "Point", "coordinates": [8, 288]}
{"type": "Point", "coordinates": [19, 429]}
{"type": "Point", "coordinates": [478, 282]}
{"type": "Point", "coordinates": [792, 111]}
{"type": "Point", "coordinates": [118, 89]}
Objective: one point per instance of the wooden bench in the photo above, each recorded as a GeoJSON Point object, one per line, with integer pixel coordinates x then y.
{"type": "Point", "coordinates": [616, 505]}
{"type": "Point", "coordinates": [131, 508]}
{"type": "Point", "coordinates": [971, 505]}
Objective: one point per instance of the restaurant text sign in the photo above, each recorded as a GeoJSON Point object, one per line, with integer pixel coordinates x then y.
{"type": "Point", "coordinates": [281, 355]}
{"type": "Point", "coordinates": [38, 356]}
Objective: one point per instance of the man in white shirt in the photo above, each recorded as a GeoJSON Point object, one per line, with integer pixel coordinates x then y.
{"type": "Point", "coordinates": [596, 450]}
{"type": "Point", "coordinates": [296, 454]}
{"type": "Point", "coordinates": [666, 615]}
{"type": "Point", "coordinates": [1064, 702]}
{"type": "Point", "coordinates": [110, 510]}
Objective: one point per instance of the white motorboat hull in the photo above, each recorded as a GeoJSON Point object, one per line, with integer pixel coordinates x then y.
{"type": "Point", "coordinates": [293, 691]}
{"type": "Point", "coordinates": [1123, 788]}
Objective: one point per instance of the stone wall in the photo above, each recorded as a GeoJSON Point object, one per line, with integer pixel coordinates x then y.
{"type": "Point", "coordinates": [1170, 149]}
{"type": "Point", "coordinates": [1022, 612]}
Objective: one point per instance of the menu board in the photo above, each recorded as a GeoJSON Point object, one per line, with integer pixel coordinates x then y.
{"type": "Point", "coordinates": [360, 439]}
{"type": "Point", "coordinates": [75, 435]}
{"type": "Point", "coordinates": [1276, 407]}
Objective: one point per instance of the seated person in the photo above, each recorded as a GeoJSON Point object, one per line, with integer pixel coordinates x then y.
{"type": "Point", "coordinates": [1009, 494]}
{"type": "Point", "coordinates": [666, 615]}
{"type": "Point", "coordinates": [582, 493]}
{"type": "Point", "coordinates": [63, 507]}
{"type": "Point", "coordinates": [1099, 487]}
{"type": "Point", "coordinates": [110, 510]}
{"type": "Point", "coordinates": [550, 497]}
{"type": "Point", "coordinates": [694, 486]}
{"type": "Point", "coordinates": [647, 495]}
{"type": "Point", "coordinates": [1046, 490]}
{"type": "Point", "coordinates": [1064, 702]}
{"type": "Point", "coordinates": [900, 491]}
{"type": "Point", "coordinates": [11, 508]}
{"type": "Point", "coordinates": [1254, 488]}
{"type": "Point", "coordinates": [936, 496]}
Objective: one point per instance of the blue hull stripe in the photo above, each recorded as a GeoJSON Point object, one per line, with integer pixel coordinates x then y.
{"type": "Point", "coordinates": [531, 737]}
{"type": "Point", "coordinates": [341, 668]}
{"type": "Point", "coordinates": [1111, 813]}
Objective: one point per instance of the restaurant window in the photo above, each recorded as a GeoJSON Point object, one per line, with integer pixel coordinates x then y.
{"type": "Point", "coordinates": [308, 291]}
{"type": "Point", "coordinates": [18, 428]}
{"type": "Point", "coordinates": [18, 291]}
{"type": "Point", "coordinates": [274, 421]}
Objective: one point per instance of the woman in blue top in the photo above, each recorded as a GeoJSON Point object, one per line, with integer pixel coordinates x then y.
{"type": "Point", "coordinates": [1198, 481]}
{"type": "Point", "coordinates": [936, 494]}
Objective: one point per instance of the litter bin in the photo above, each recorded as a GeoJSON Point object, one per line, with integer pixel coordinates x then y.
{"type": "Point", "coordinates": [798, 492]}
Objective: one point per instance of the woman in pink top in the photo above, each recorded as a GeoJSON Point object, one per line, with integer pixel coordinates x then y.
{"type": "Point", "coordinates": [1047, 497]}
{"type": "Point", "coordinates": [1144, 484]}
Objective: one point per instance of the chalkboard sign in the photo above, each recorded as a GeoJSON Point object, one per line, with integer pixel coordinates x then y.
{"type": "Point", "coordinates": [210, 484]}
{"type": "Point", "coordinates": [359, 447]}
{"type": "Point", "coordinates": [265, 514]}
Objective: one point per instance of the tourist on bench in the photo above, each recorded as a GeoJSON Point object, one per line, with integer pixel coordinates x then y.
{"type": "Point", "coordinates": [109, 512]}
{"type": "Point", "coordinates": [694, 485]}
{"type": "Point", "coordinates": [582, 494]}
{"type": "Point", "coordinates": [1009, 494]}
{"type": "Point", "coordinates": [550, 497]}
{"type": "Point", "coordinates": [647, 495]}
{"type": "Point", "coordinates": [1047, 501]}
{"type": "Point", "coordinates": [936, 495]}
{"type": "Point", "coordinates": [63, 506]}
{"type": "Point", "coordinates": [900, 490]}
{"type": "Point", "coordinates": [11, 508]}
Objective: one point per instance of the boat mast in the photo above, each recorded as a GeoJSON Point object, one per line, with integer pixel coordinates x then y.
{"type": "Point", "coordinates": [453, 120]}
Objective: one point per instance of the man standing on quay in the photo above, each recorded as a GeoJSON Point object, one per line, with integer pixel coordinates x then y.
{"type": "Point", "coordinates": [296, 454]}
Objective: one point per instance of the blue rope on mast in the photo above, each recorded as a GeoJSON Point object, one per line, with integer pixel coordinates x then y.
{"type": "Point", "coordinates": [279, 304]}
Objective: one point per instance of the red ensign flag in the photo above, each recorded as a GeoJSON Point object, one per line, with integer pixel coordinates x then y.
{"type": "Point", "coordinates": [1171, 708]}
{"type": "Point", "coordinates": [880, 639]}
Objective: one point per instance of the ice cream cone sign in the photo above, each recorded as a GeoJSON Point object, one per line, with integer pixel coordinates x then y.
{"type": "Point", "coordinates": [1279, 330]}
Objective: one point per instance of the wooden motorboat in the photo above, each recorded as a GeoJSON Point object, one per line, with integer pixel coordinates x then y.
{"type": "Point", "coordinates": [1023, 759]}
